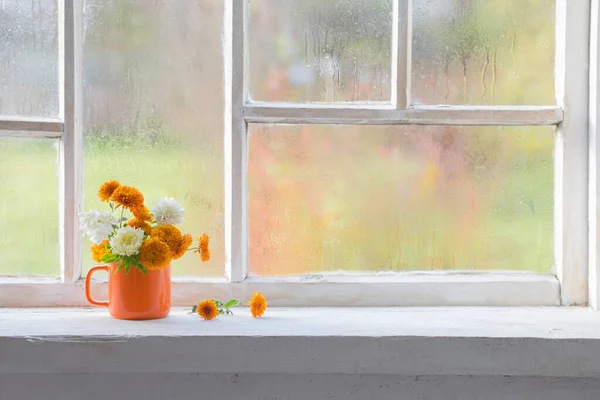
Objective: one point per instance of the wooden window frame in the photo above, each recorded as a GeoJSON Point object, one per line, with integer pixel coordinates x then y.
{"type": "Point", "coordinates": [575, 177]}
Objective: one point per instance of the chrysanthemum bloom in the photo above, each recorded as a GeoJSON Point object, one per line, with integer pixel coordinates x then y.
{"type": "Point", "coordinates": [168, 211]}
{"type": "Point", "coordinates": [99, 251]}
{"type": "Point", "coordinates": [170, 235]}
{"type": "Point", "coordinates": [97, 225]}
{"type": "Point", "coordinates": [207, 309]}
{"type": "Point", "coordinates": [107, 189]}
{"type": "Point", "coordinates": [128, 197]}
{"type": "Point", "coordinates": [184, 245]}
{"type": "Point", "coordinates": [258, 305]}
{"type": "Point", "coordinates": [127, 241]}
{"type": "Point", "coordinates": [138, 223]}
{"type": "Point", "coordinates": [203, 247]}
{"type": "Point", "coordinates": [142, 213]}
{"type": "Point", "coordinates": [154, 254]}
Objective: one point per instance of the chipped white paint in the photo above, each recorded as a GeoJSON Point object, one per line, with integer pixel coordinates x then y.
{"type": "Point", "coordinates": [557, 342]}
{"type": "Point", "coordinates": [384, 114]}
{"type": "Point", "coordinates": [293, 387]}
{"type": "Point", "coordinates": [408, 289]}
{"type": "Point", "coordinates": [571, 150]}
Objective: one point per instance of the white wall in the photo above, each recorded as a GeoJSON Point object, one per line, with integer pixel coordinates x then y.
{"type": "Point", "coordinates": [291, 387]}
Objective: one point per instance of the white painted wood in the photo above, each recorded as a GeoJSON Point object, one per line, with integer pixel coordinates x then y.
{"type": "Point", "coordinates": [236, 141]}
{"type": "Point", "coordinates": [71, 147]}
{"type": "Point", "coordinates": [593, 211]}
{"type": "Point", "coordinates": [401, 53]}
{"type": "Point", "coordinates": [382, 114]}
{"type": "Point", "coordinates": [30, 127]}
{"type": "Point", "coordinates": [571, 149]}
{"type": "Point", "coordinates": [409, 289]}
{"type": "Point", "coordinates": [293, 387]}
{"type": "Point", "coordinates": [553, 342]}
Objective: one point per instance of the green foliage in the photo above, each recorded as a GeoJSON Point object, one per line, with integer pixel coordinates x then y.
{"type": "Point", "coordinates": [124, 262]}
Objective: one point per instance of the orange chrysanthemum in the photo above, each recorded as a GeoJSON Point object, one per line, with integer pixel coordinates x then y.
{"type": "Point", "coordinates": [99, 251]}
{"type": "Point", "coordinates": [184, 245]}
{"type": "Point", "coordinates": [106, 189]}
{"type": "Point", "coordinates": [258, 305]}
{"type": "Point", "coordinates": [128, 197]}
{"type": "Point", "coordinates": [142, 213]}
{"type": "Point", "coordinates": [138, 223]}
{"type": "Point", "coordinates": [207, 309]}
{"type": "Point", "coordinates": [154, 254]}
{"type": "Point", "coordinates": [203, 249]}
{"type": "Point", "coordinates": [170, 235]}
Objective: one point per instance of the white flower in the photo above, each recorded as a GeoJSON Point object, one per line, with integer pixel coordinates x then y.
{"type": "Point", "coordinates": [97, 225]}
{"type": "Point", "coordinates": [168, 211]}
{"type": "Point", "coordinates": [127, 241]}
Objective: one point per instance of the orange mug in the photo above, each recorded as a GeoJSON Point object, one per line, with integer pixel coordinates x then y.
{"type": "Point", "coordinates": [134, 295]}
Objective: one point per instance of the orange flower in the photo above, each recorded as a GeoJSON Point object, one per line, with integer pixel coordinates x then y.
{"type": "Point", "coordinates": [106, 189]}
{"type": "Point", "coordinates": [138, 223]}
{"type": "Point", "coordinates": [185, 244]}
{"type": "Point", "coordinates": [207, 309]}
{"type": "Point", "coordinates": [154, 254]}
{"type": "Point", "coordinates": [142, 213]}
{"type": "Point", "coordinates": [128, 197]}
{"type": "Point", "coordinates": [99, 251]}
{"type": "Point", "coordinates": [170, 235]}
{"type": "Point", "coordinates": [203, 247]}
{"type": "Point", "coordinates": [258, 305]}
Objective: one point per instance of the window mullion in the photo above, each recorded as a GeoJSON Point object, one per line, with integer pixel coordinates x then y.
{"type": "Point", "coordinates": [30, 127]}
{"type": "Point", "coordinates": [594, 265]}
{"type": "Point", "coordinates": [236, 141]}
{"type": "Point", "coordinates": [571, 150]}
{"type": "Point", "coordinates": [401, 53]}
{"type": "Point", "coordinates": [70, 105]}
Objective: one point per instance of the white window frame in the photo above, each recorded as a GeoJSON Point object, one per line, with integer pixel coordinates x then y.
{"type": "Point", "coordinates": [575, 159]}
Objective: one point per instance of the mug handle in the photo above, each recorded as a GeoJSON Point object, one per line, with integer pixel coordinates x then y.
{"type": "Point", "coordinates": [88, 293]}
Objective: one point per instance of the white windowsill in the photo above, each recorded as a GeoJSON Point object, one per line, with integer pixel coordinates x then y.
{"type": "Point", "coordinates": [400, 341]}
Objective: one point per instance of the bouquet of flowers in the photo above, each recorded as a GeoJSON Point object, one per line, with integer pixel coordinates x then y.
{"type": "Point", "coordinates": [131, 235]}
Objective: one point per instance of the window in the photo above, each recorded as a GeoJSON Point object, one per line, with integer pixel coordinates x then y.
{"type": "Point", "coordinates": [364, 152]}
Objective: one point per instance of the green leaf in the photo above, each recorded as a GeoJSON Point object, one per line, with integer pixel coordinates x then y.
{"type": "Point", "coordinates": [194, 309]}
{"type": "Point", "coordinates": [110, 258]}
{"type": "Point", "coordinates": [232, 303]}
{"type": "Point", "coordinates": [143, 269]}
{"type": "Point", "coordinates": [218, 303]}
{"type": "Point", "coordinates": [125, 264]}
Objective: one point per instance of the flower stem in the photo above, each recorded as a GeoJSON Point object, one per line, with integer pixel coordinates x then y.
{"type": "Point", "coordinates": [121, 219]}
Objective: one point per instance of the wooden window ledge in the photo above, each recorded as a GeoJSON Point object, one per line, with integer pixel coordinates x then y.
{"type": "Point", "coordinates": [547, 341]}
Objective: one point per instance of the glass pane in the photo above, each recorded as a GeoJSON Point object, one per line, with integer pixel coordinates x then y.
{"type": "Point", "coordinates": [320, 50]}
{"type": "Point", "coordinates": [490, 52]}
{"type": "Point", "coordinates": [376, 198]}
{"type": "Point", "coordinates": [29, 207]}
{"type": "Point", "coordinates": [29, 58]}
{"type": "Point", "coordinates": [153, 76]}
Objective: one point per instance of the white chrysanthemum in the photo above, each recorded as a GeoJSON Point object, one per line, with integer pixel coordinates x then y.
{"type": "Point", "coordinates": [97, 225]}
{"type": "Point", "coordinates": [168, 211]}
{"type": "Point", "coordinates": [127, 241]}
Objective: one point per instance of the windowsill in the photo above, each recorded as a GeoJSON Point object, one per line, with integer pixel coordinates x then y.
{"type": "Point", "coordinates": [549, 341]}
